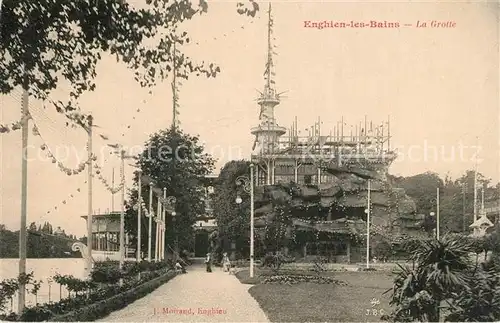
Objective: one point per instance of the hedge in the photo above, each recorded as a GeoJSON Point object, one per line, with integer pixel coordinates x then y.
{"type": "Point", "coordinates": [105, 307]}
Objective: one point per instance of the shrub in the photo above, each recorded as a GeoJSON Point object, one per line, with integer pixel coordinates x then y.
{"type": "Point", "coordinates": [9, 287]}
{"type": "Point", "coordinates": [108, 274]}
{"type": "Point", "coordinates": [480, 301]}
{"type": "Point", "coordinates": [74, 284]}
{"type": "Point", "coordinates": [103, 308]}
{"type": "Point", "coordinates": [89, 294]}
{"type": "Point", "coordinates": [83, 307]}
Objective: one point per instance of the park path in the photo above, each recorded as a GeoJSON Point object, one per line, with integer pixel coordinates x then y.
{"type": "Point", "coordinates": [197, 296]}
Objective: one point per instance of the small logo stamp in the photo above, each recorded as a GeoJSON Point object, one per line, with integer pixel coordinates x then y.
{"type": "Point", "coordinates": [374, 311]}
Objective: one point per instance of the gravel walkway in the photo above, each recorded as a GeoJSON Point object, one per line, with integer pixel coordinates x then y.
{"type": "Point", "coordinates": [197, 296]}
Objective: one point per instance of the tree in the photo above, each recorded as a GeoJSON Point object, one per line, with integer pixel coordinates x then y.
{"type": "Point", "coordinates": [422, 189]}
{"type": "Point", "coordinates": [32, 227]}
{"type": "Point", "coordinates": [39, 245]}
{"type": "Point", "coordinates": [232, 219]}
{"type": "Point", "coordinates": [56, 40]}
{"type": "Point", "coordinates": [456, 198]}
{"type": "Point", "coordinates": [177, 162]}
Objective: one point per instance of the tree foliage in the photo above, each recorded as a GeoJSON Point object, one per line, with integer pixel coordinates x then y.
{"type": "Point", "coordinates": [456, 197]}
{"type": "Point", "coordinates": [41, 243]}
{"type": "Point", "coordinates": [175, 161]}
{"type": "Point", "coordinates": [45, 41]}
{"type": "Point", "coordinates": [233, 219]}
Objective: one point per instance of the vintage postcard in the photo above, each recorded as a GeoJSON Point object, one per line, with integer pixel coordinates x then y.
{"type": "Point", "coordinates": [249, 161]}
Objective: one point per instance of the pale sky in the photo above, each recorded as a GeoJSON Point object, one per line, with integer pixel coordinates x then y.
{"type": "Point", "coordinates": [439, 86]}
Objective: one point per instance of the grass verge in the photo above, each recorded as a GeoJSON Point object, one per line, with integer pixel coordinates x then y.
{"type": "Point", "coordinates": [311, 302]}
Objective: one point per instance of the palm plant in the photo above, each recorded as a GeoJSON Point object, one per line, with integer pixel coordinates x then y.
{"type": "Point", "coordinates": [479, 301]}
{"type": "Point", "coordinates": [439, 273]}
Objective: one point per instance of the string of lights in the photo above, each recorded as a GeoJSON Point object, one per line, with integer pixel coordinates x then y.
{"type": "Point", "coordinates": [109, 187]}
{"type": "Point", "coordinates": [7, 128]}
{"type": "Point", "coordinates": [45, 146]}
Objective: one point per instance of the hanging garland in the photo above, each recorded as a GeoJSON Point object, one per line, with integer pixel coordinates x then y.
{"type": "Point", "coordinates": [143, 207]}
{"type": "Point", "coordinates": [5, 128]}
{"type": "Point", "coordinates": [45, 147]}
{"type": "Point", "coordinates": [105, 182]}
{"type": "Point", "coordinates": [64, 202]}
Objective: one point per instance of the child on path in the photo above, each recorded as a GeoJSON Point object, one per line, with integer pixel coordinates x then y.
{"type": "Point", "coordinates": [226, 264]}
{"type": "Point", "coordinates": [208, 263]}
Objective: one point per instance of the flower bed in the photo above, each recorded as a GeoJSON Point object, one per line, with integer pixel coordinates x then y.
{"type": "Point", "coordinates": [93, 298]}
{"type": "Point", "coordinates": [104, 307]}
{"type": "Point", "coordinates": [295, 279]}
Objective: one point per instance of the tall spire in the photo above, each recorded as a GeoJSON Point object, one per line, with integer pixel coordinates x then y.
{"type": "Point", "coordinates": [269, 88]}
{"type": "Point", "coordinates": [475, 181]}
{"type": "Point", "coordinates": [175, 97]}
{"type": "Point", "coordinates": [268, 132]}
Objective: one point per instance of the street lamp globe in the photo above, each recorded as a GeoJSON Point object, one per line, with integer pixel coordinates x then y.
{"type": "Point", "coordinates": [173, 213]}
{"type": "Point", "coordinates": [238, 200]}
{"type": "Point", "coordinates": [432, 213]}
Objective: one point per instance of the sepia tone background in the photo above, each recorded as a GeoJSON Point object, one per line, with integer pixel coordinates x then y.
{"type": "Point", "coordinates": [439, 86]}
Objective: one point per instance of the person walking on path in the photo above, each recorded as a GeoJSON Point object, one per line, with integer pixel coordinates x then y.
{"type": "Point", "coordinates": [208, 262]}
{"type": "Point", "coordinates": [226, 264]}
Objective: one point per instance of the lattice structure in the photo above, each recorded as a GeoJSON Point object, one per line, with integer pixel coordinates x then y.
{"type": "Point", "coordinates": [284, 155]}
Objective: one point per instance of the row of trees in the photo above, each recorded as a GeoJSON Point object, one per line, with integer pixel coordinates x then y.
{"type": "Point", "coordinates": [456, 196]}
{"type": "Point", "coordinates": [42, 243]}
{"type": "Point", "coordinates": [47, 228]}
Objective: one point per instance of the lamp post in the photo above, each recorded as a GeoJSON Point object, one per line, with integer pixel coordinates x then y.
{"type": "Point", "coordinates": [247, 184]}
{"type": "Point", "coordinates": [139, 215]}
{"type": "Point", "coordinates": [85, 250]}
{"type": "Point", "coordinates": [122, 212]}
{"type": "Point", "coordinates": [168, 205]}
{"type": "Point", "coordinates": [367, 211]}
{"type": "Point", "coordinates": [138, 208]}
{"type": "Point", "coordinates": [158, 226]}
{"type": "Point", "coordinates": [123, 156]}
{"type": "Point", "coordinates": [163, 227]}
{"type": "Point", "coordinates": [24, 197]}
{"type": "Point", "coordinates": [176, 237]}
{"type": "Point", "coordinates": [437, 214]}
{"type": "Point", "coordinates": [436, 200]}
{"type": "Point", "coordinates": [150, 216]}
{"type": "Point", "coordinates": [89, 205]}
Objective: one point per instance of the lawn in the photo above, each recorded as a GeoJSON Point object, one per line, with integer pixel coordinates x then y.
{"type": "Point", "coordinates": [310, 302]}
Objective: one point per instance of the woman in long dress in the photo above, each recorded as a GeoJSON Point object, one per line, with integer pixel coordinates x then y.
{"type": "Point", "coordinates": [226, 264]}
